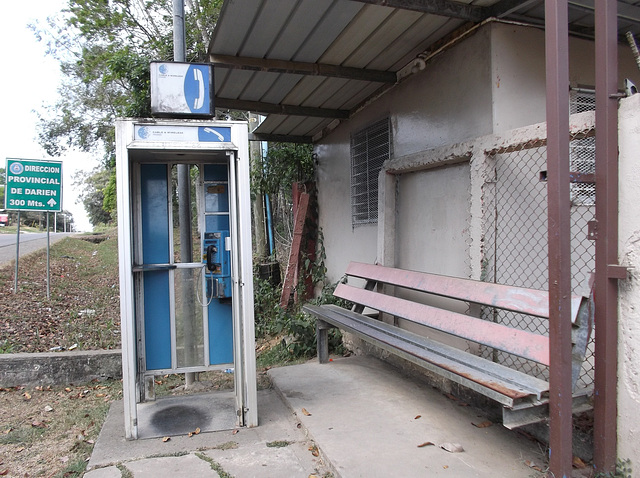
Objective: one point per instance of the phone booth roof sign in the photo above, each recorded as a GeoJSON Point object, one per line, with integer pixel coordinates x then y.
{"type": "Point", "coordinates": [181, 89]}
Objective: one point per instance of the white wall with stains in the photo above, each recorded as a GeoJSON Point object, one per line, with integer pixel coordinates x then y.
{"type": "Point", "coordinates": [629, 290]}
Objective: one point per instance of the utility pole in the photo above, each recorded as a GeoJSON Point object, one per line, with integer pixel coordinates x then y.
{"type": "Point", "coordinates": [184, 200]}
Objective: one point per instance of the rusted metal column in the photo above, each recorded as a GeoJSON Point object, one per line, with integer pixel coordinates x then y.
{"type": "Point", "coordinates": [557, 75]}
{"type": "Point", "coordinates": [606, 292]}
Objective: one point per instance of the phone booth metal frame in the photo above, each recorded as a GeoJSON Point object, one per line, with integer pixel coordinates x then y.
{"type": "Point", "coordinates": [156, 145]}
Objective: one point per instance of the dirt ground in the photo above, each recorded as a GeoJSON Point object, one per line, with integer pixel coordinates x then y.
{"type": "Point", "coordinates": [50, 431]}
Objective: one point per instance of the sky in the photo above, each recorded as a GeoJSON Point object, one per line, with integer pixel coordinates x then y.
{"type": "Point", "coordinates": [28, 80]}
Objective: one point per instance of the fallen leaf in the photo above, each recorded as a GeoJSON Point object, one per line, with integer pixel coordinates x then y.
{"type": "Point", "coordinates": [452, 447]}
{"type": "Point", "coordinates": [484, 424]}
{"type": "Point", "coordinates": [578, 463]}
{"type": "Point", "coordinates": [234, 431]}
{"type": "Point", "coordinates": [190, 434]}
{"type": "Point", "coordinates": [38, 424]}
{"type": "Point", "coordinates": [4, 472]}
{"type": "Point", "coordinates": [417, 416]}
{"type": "Point", "coordinates": [197, 431]}
{"type": "Point", "coordinates": [445, 466]}
{"type": "Point", "coordinates": [19, 449]}
{"type": "Point", "coordinates": [427, 443]}
{"type": "Point", "coordinates": [165, 439]}
{"type": "Point", "coordinates": [531, 464]}
{"type": "Point", "coordinates": [27, 396]}
{"type": "Point", "coordinates": [305, 412]}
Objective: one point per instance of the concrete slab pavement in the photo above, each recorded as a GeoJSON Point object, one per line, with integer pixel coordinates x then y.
{"type": "Point", "coordinates": [369, 420]}
{"type": "Point", "coordinates": [362, 418]}
{"type": "Point", "coordinates": [277, 448]}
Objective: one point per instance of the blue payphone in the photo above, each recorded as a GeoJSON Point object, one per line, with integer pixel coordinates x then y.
{"type": "Point", "coordinates": [215, 246]}
{"type": "Point", "coordinates": [194, 314]}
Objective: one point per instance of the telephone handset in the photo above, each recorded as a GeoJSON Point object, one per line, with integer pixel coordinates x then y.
{"type": "Point", "coordinates": [216, 259]}
{"type": "Point", "coordinates": [199, 99]}
{"type": "Point", "coordinates": [212, 252]}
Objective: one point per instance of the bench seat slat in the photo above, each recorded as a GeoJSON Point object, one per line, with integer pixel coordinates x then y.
{"type": "Point", "coordinates": [519, 342]}
{"type": "Point", "coordinates": [517, 299]}
{"type": "Point", "coordinates": [496, 381]}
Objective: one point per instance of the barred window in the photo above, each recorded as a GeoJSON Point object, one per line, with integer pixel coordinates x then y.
{"type": "Point", "coordinates": [582, 152]}
{"type": "Point", "coordinates": [370, 148]}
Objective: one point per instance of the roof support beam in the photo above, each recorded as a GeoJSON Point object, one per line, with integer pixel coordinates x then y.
{"type": "Point", "coordinates": [280, 138]}
{"type": "Point", "coordinates": [506, 7]}
{"type": "Point", "coordinates": [445, 8]}
{"type": "Point", "coordinates": [301, 68]}
{"type": "Point", "coordinates": [271, 108]}
{"type": "Point", "coordinates": [626, 11]}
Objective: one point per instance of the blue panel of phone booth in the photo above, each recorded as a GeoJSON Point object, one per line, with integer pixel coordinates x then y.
{"type": "Point", "coordinates": [220, 332]}
{"type": "Point", "coordinates": [155, 213]}
{"type": "Point", "coordinates": [157, 321]}
{"type": "Point", "coordinates": [215, 172]}
{"type": "Point", "coordinates": [155, 250]}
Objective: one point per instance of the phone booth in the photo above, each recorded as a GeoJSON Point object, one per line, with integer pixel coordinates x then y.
{"type": "Point", "coordinates": [185, 315]}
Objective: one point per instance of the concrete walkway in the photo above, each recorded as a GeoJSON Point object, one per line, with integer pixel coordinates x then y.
{"type": "Point", "coordinates": [360, 416]}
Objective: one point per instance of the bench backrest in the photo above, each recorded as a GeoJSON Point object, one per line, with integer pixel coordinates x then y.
{"type": "Point", "coordinates": [523, 343]}
{"type": "Point", "coordinates": [516, 299]}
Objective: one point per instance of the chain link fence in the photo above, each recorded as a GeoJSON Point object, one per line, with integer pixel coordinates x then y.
{"type": "Point", "coordinates": [515, 249]}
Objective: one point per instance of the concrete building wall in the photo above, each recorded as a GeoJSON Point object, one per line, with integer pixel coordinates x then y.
{"type": "Point", "coordinates": [518, 73]}
{"type": "Point", "coordinates": [629, 290]}
{"type": "Point", "coordinates": [435, 107]}
{"type": "Point", "coordinates": [432, 222]}
{"type": "Point", "coordinates": [491, 82]}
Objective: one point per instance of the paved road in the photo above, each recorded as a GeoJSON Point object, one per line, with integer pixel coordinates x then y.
{"type": "Point", "coordinates": [29, 242]}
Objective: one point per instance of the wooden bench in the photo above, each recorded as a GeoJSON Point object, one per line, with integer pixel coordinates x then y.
{"type": "Point", "coordinates": [523, 396]}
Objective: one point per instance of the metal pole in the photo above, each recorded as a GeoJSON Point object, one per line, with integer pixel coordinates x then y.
{"type": "Point", "coordinates": [559, 230]}
{"type": "Point", "coordinates": [184, 195]}
{"type": "Point", "coordinates": [48, 261]}
{"type": "Point", "coordinates": [606, 292]}
{"type": "Point", "coordinates": [15, 278]}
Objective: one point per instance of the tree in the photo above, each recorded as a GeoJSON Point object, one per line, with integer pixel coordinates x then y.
{"type": "Point", "coordinates": [104, 48]}
{"type": "Point", "coordinates": [93, 186]}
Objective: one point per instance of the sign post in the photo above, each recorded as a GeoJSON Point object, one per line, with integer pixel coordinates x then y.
{"type": "Point", "coordinates": [33, 185]}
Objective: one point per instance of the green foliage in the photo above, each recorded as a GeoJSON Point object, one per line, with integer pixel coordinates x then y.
{"type": "Point", "coordinates": [284, 164]}
{"type": "Point", "coordinates": [6, 347]}
{"type": "Point", "coordinates": [95, 190]}
{"type": "Point", "coordinates": [623, 470]}
{"type": "Point", "coordinates": [104, 49]}
{"type": "Point", "coordinates": [297, 328]}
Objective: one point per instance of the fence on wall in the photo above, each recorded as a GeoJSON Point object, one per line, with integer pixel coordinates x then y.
{"type": "Point", "coordinates": [515, 241]}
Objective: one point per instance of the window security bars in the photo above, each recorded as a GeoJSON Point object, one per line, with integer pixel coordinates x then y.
{"type": "Point", "coordinates": [370, 148]}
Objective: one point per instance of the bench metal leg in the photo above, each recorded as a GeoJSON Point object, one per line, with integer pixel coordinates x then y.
{"type": "Point", "coordinates": [322, 331]}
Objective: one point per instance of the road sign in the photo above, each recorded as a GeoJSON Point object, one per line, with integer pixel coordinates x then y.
{"type": "Point", "coordinates": [33, 185]}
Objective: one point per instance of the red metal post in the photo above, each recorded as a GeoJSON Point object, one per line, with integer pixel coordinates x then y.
{"type": "Point", "coordinates": [606, 291]}
{"type": "Point", "coordinates": [557, 76]}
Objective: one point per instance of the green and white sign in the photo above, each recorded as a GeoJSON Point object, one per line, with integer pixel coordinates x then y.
{"type": "Point", "coordinates": [33, 185]}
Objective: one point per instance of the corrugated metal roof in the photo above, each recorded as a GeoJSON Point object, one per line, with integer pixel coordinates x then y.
{"type": "Point", "coordinates": [308, 63]}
